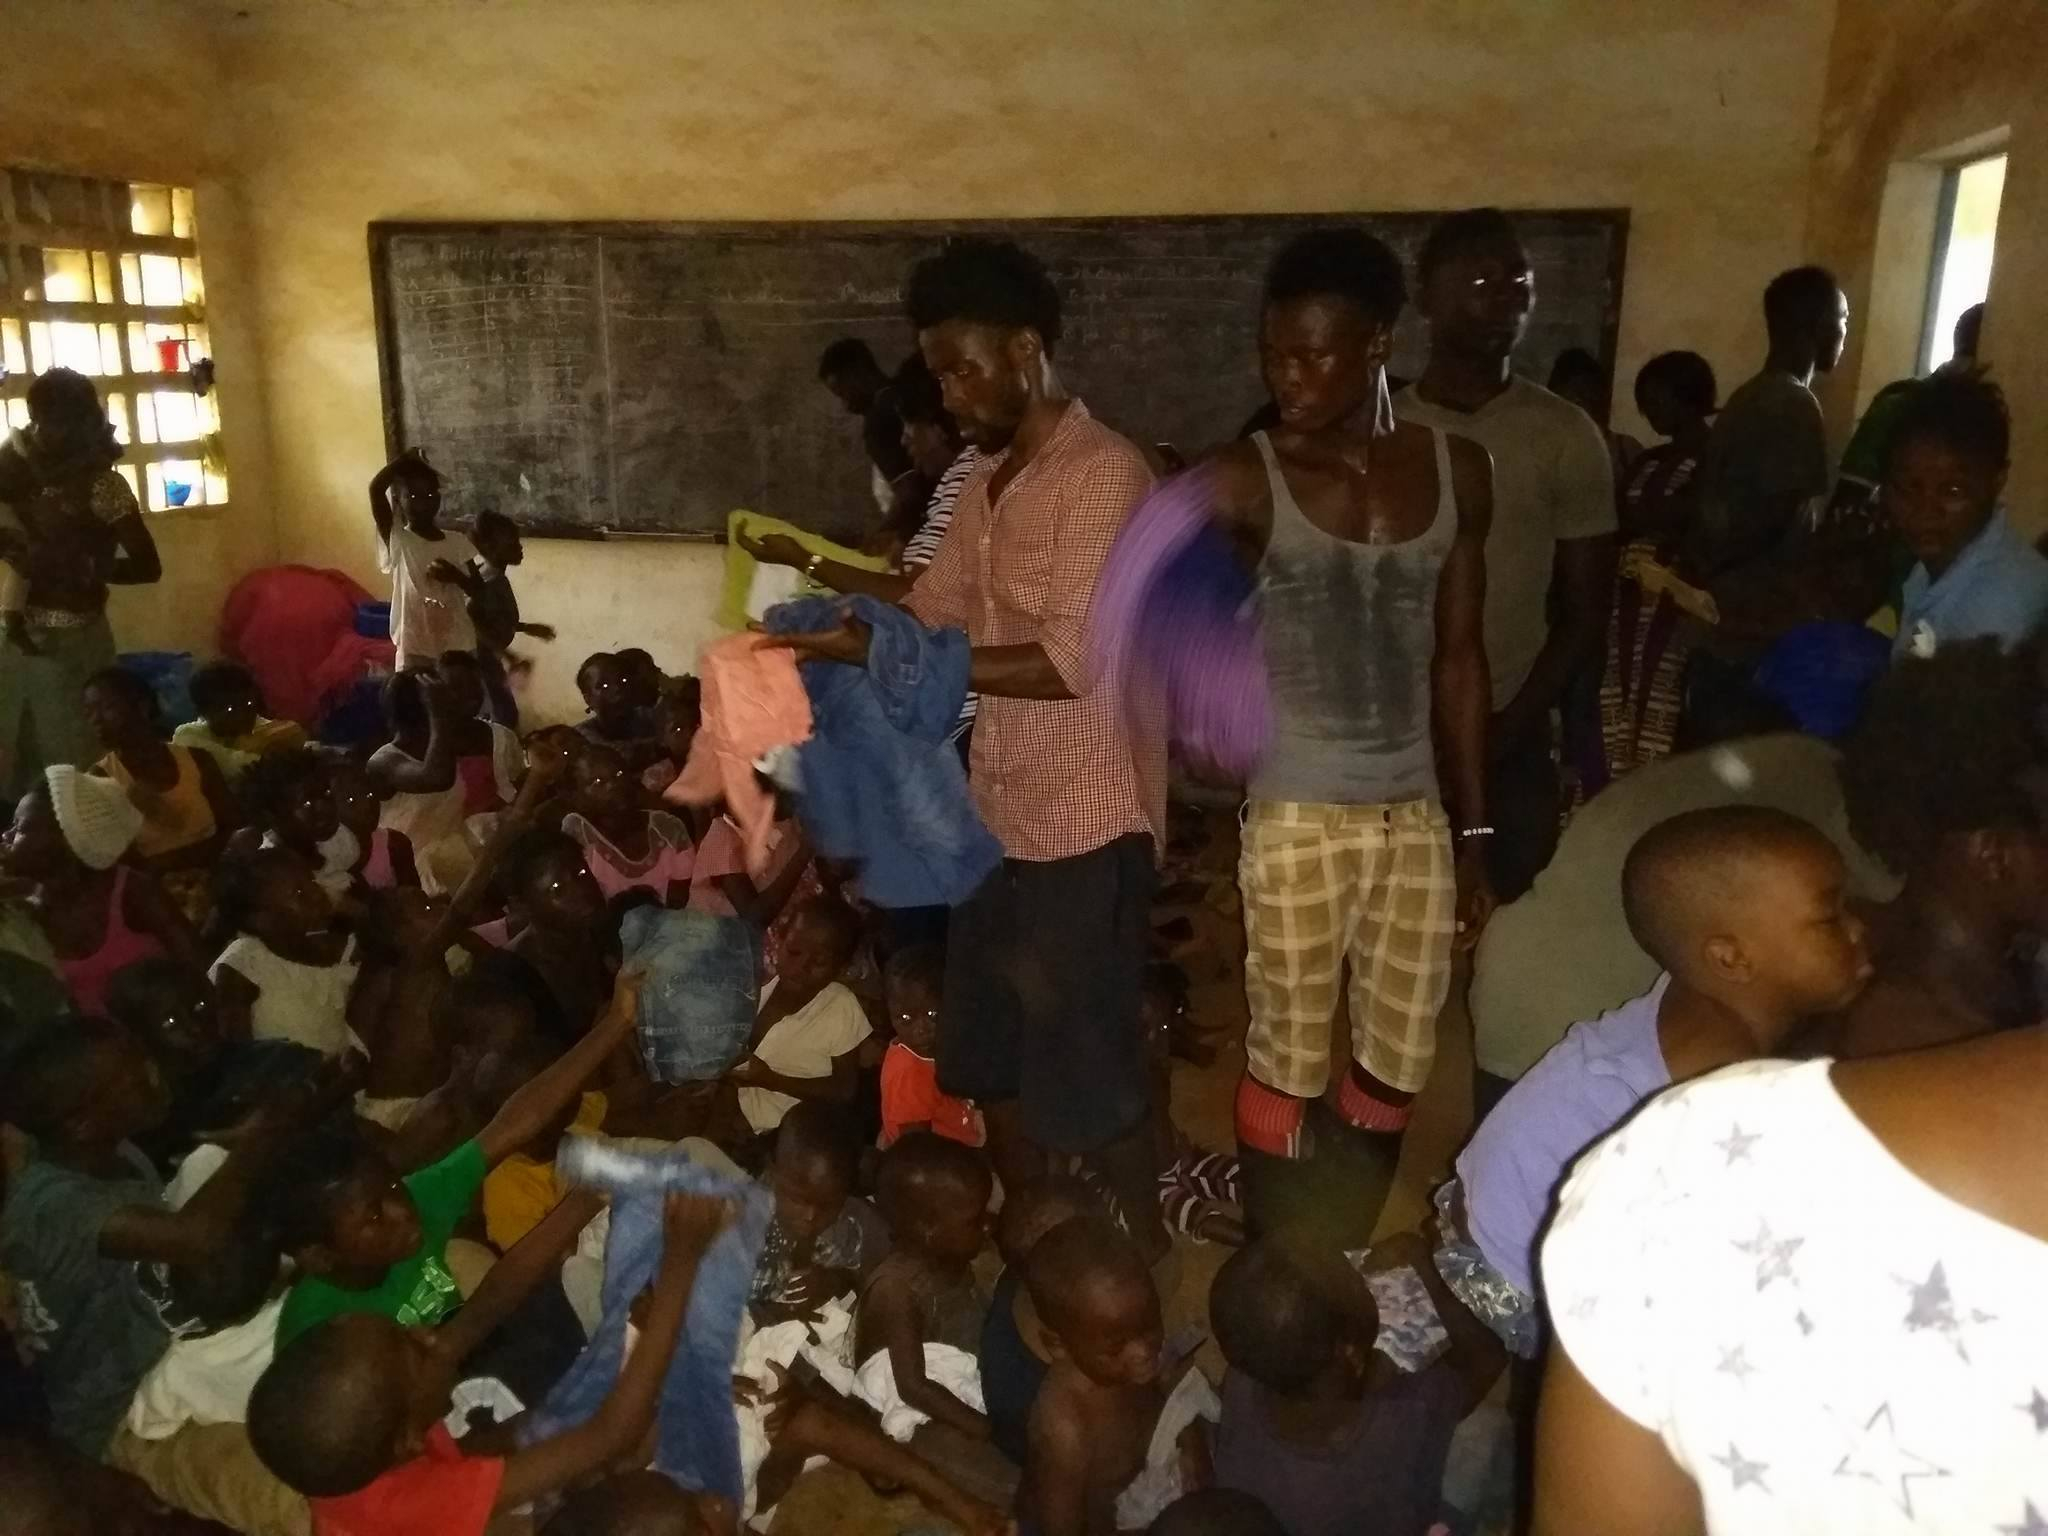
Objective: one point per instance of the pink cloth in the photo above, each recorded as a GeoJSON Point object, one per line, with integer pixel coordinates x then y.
{"type": "Point", "coordinates": [671, 857]}
{"type": "Point", "coordinates": [87, 976]}
{"type": "Point", "coordinates": [478, 776]}
{"type": "Point", "coordinates": [294, 628]}
{"type": "Point", "coordinates": [377, 872]}
{"type": "Point", "coordinates": [754, 702]}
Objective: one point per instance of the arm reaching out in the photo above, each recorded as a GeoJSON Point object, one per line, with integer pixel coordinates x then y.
{"type": "Point", "coordinates": [532, 1108]}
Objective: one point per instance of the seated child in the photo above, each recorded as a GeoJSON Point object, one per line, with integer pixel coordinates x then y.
{"type": "Point", "coordinates": [88, 1205]}
{"type": "Point", "coordinates": [823, 1239]}
{"type": "Point", "coordinates": [561, 928]}
{"type": "Point", "coordinates": [1014, 1353]}
{"type": "Point", "coordinates": [621, 712]}
{"type": "Point", "coordinates": [1745, 908]}
{"type": "Point", "coordinates": [288, 801]}
{"type": "Point", "coordinates": [1322, 1427]}
{"type": "Point", "coordinates": [349, 1413]}
{"type": "Point", "coordinates": [626, 841]}
{"type": "Point", "coordinates": [187, 810]}
{"type": "Point", "coordinates": [214, 1081]}
{"type": "Point", "coordinates": [414, 774]}
{"type": "Point", "coordinates": [914, 983]}
{"type": "Point", "coordinates": [643, 677]}
{"type": "Point", "coordinates": [1108, 1447]}
{"type": "Point", "coordinates": [395, 1006]}
{"type": "Point", "coordinates": [366, 1239]}
{"type": "Point", "coordinates": [383, 855]}
{"type": "Point", "coordinates": [287, 972]}
{"type": "Point", "coordinates": [808, 1036]}
{"type": "Point", "coordinates": [720, 883]}
{"type": "Point", "coordinates": [231, 723]}
{"type": "Point", "coordinates": [921, 1305]}
{"type": "Point", "coordinates": [678, 714]}
{"type": "Point", "coordinates": [98, 914]}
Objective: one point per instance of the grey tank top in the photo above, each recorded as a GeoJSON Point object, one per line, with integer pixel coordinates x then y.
{"type": "Point", "coordinates": [1350, 631]}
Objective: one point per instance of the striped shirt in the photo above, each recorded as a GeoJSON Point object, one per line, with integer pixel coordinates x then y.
{"type": "Point", "coordinates": [924, 544]}
{"type": "Point", "coordinates": [1053, 778]}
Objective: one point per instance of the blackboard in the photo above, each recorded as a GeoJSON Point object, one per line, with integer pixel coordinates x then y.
{"type": "Point", "coordinates": [648, 378]}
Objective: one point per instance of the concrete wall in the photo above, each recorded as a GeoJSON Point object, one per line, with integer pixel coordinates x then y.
{"type": "Point", "coordinates": [1910, 84]}
{"type": "Point", "coordinates": [131, 89]}
{"type": "Point", "coordinates": [1698, 116]}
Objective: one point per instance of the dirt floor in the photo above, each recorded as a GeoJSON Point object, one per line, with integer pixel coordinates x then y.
{"type": "Point", "coordinates": [1202, 887]}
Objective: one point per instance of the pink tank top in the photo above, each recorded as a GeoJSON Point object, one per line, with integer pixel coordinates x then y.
{"type": "Point", "coordinates": [88, 975]}
{"type": "Point", "coordinates": [377, 872]}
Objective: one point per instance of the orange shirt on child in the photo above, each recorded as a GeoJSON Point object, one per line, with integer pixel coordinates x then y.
{"type": "Point", "coordinates": [911, 1096]}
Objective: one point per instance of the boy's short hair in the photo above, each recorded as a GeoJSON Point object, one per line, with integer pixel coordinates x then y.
{"type": "Point", "coordinates": [132, 686]}
{"type": "Point", "coordinates": [1217, 1512]}
{"type": "Point", "coordinates": [296, 1199]}
{"type": "Point", "coordinates": [985, 282]}
{"type": "Point", "coordinates": [593, 660]}
{"type": "Point", "coordinates": [1799, 297]}
{"type": "Point", "coordinates": [270, 786]}
{"type": "Point", "coordinates": [529, 851]}
{"type": "Point", "coordinates": [1455, 234]}
{"type": "Point", "coordinates": [1339, 261]}
{"type": "Point", "coordinates": [1962, 410]}
{"type": "Point", "coordinates": [848, 354]}
{"type": "Point", "coordinates": [916, 1165]}
{"type": "Point", "coordinates": [821, 1135]}
{"type": "Point", "coordinates": [917, 965]}
{"type": "Point", "coordinates": [637, 1503]}
{"type": "Point", "coordinates": [220, 683]}
{"type": "Point", "coordinates": [1274, 1318]}
{"type": "Point", "coordinates": [841, 923]}
{"type": "Point", "coordinates": [328, 1410]}
{"type": "Point", "coordinates": [491, 521]}
{"type": "Point", "coordinates": [135, 990]}
{"type": "Point", "coordinates": [1035, 1210]}
{"type": "Point", "coordinates": [1078, 1254]}
{"type": "Point", "coordinates": [49, 1075]}
{"type": "Point", "coordinates": [1695, 869]}
{"type": "Point", "coordinates": [1688, 376]}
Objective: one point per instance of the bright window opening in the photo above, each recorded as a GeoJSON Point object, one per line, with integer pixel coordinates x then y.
{"type": "Point", "coordinates": [1963, 240]}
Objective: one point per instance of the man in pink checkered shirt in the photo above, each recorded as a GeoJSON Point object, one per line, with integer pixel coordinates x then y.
{"type": "Point", "coordinates": [1040, 1024]}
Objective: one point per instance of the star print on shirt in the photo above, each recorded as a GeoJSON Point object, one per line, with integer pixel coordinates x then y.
{"type": "Point", "coordinates": [1736, 1144]}
{"type": "Point", "coordinates": [2032, 1523]}
{"type": "Point", "coordinates": [1933, 1307]}
{"type": "Point", "coordinates": [1877, 1457]}
{"type": "Point", "coordinates": [1773, 1255]}
{"type": "Point", "coordinates": [1735, 1362]}
{"type": "Point", "coordinates": [2039, 1409]}
{"type": "Point", "coordinates": [1742, 1470]}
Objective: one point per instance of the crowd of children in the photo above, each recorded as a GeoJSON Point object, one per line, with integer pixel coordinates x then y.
{"type": "Point", "coordinates": [339, 1139]}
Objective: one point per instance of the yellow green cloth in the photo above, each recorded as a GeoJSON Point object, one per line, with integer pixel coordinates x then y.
{"type": "Point", "coordinates": [752, 588]}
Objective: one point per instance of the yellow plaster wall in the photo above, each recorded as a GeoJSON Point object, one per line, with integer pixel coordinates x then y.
{"type": "Point", "coordinates": [1699, 116]}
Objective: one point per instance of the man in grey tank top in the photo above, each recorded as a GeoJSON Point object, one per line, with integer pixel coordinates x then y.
{"type": "Point", "coordinates": [1368, 538]}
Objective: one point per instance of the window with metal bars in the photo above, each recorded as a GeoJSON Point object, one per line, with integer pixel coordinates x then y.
{"type": "Point", "coordinates": [103, 277]}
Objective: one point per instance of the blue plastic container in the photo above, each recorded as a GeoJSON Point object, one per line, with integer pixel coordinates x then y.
{"type": "Point", "coordinates": [373, 621]}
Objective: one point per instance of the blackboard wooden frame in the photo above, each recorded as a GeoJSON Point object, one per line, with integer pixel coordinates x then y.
{"type": "Point", "coordinates": [1614, 222]}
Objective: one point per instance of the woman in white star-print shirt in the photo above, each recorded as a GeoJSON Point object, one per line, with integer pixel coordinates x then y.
{"type": "Point", "coordinates": [1808, 1298]}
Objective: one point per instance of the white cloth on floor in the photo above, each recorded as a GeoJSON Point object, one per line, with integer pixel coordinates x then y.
{"type": "Point", "coordinates": [1146, 1496]}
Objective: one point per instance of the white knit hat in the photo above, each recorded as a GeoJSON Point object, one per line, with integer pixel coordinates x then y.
{"type": "Point", "coordinates": [95, 815]}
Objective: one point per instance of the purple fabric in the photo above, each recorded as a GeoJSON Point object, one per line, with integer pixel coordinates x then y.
{"type": "Point", "coordinates": [1175, 618]}
{"type": "Point", "coordinates": [1585, 1085]}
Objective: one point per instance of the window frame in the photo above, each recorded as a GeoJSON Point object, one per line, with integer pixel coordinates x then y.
{"type": "Point", "coordinates": [105, 226]}
{"type": "Point", "coordinates": [1937, 264]}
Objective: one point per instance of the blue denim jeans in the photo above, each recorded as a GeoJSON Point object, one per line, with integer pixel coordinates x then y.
{"type": "Point", "coordinates": [697, 1436]}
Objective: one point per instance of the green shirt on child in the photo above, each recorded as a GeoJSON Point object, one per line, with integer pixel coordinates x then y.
{"type": "Point", "coordinates": [418, 1289]}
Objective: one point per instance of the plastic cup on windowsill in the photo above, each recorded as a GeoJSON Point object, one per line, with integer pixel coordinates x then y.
{"type": "Point", "coordinates": [170, 356]}
{"type": "Point", "coordinates": [176, 493]}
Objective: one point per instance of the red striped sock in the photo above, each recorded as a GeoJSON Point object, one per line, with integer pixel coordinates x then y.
{"type": "Point", "coordinates": [1358, 1107]}
{"type": "Point", "coordinates": [1268, 1120]}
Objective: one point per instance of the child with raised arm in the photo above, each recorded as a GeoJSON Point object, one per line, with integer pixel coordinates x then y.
{"type": "Point", "coordinates": [349, 1412]}
{"type": "Point", "coordinates": [427, 616]}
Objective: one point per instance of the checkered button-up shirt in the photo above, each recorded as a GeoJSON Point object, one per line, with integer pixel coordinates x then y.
{"type": "Point", "coordinates": [1053, 778]}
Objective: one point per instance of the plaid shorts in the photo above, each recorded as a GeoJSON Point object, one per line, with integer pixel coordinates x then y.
{"type": "Point", "coordinates": [1372, 884]}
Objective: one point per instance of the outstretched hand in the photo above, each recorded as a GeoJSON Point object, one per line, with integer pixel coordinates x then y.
{"type": "Point", "coordinates": [773, 549]}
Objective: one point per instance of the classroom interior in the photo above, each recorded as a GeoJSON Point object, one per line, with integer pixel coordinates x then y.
{"type": "Point", "coordinates": [1739, 139]}
{"type": "Point", "coordinates": [1889, 140]}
